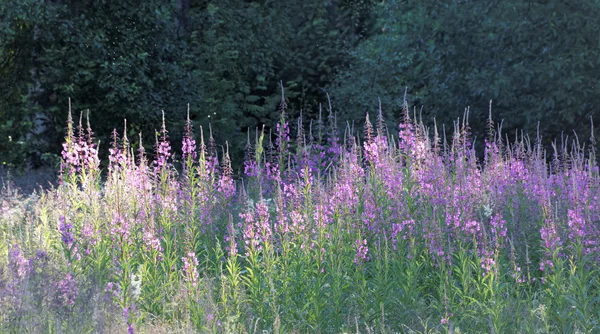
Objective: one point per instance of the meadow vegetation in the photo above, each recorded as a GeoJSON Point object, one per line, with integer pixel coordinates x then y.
{"type": "Point", "coordinates": [390, 230]}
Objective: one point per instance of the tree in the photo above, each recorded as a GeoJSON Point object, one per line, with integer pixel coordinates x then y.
{"type": "Point", "coordinates": [537, 61]}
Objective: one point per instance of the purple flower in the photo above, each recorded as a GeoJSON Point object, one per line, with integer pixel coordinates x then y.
{"type": "Point", "coordinates": [66, 291]}
{"type": "Point", "coordinates": [229, 238]}
{"type": "Point", "coordinates": [257, 228]}
{"type": "Point", "coordinates": [119, 227]}
{"type": "Point", "coordinates": [362, 251]}
{"type": "Point", "coordinates": [163, 153]}
{"type": "Point", "coordinates": [547, 265]}
{"type": "Point", "coordinates": [488, 264]}
{"type": "Point", "coordinates": [66, 232]}
{"type": "Point", "coordinates": [118, 152]}
{"type": "Point", "coordinates": [405, 228]}
{"type": "Point", "coordinates": [188, 146]}
{"type": "Point", "coordinates": [151, 242]}
{"type": "Point", "coordinates": [499, 229]}
{"type": "Point", "coordinates": [17, 262]}
{"type": "Point", "coordinates": [190, 271]}
{"type": "Point", "coordinates": [576, 225]}
{"type": "Point", "coordinates": [550, 237]}
{"type": "Point", "coordinates": [472, 227]}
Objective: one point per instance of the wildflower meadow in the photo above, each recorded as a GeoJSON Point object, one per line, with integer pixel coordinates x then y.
{"type": "Point", "coordinates": [327, 229]}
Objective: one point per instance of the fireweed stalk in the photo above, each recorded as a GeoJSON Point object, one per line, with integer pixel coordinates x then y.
{"type": "Point", "coordinates": [258, 247]}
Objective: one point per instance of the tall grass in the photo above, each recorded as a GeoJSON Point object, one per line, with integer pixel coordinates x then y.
{"type": "Point", "coordinates": [324, 233]}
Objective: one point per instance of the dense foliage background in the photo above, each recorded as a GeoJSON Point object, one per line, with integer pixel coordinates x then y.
{"type": "Point", "coordinates": [537, 60]}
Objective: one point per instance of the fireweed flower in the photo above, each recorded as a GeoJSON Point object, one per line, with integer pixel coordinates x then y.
{"type": "Point", "coordinates": [362, 251]}
{"type": "Point", "coordinates": [273, 172]}
{"type": "Point", "coordinates": [188, 145]}
{"type": "Point", "coordinates": [499, 229]}
{"type": "Point", "coordinates": [323, 214]}
{"type": "Point", "coordinates": [89, 156]}
{"type": "Point", "coordinates": [406, 134]}
{"type": "Point", "coordinates": [577, 228]}
{"type": "Point", "coordinates": [229, 239]}
{"type": "Point", "coordinates": [473, 227]}
{"type": "Point", "coordinates": [371, 215]}
{"type": "Point", "coordinates": [127, 311]}
{"type": "Point", "coordinates": [550, 238]}
{"type": "Point", "coordinates": [404, 229]}
{"type": "Point", "coordinates": [434, 239]}
{"type": "Point", "coordinates": [190, 271]}
{"type": "Point", "coordinates": [119, 227]}
{"type": "Point", "coordinates": [226, 185]}
{"type": "Point", "coordinates": [79, 150]}
{"type": "Point", "coordinates": [257, 229]}
{"type": "Point", "coordinates": [297, 224]}
{"type": "Point", "coordinates": [345, 193]}
{"type": "Point", "coordinates": [66, 232]}
{"type": "Point", "coordinates": [283, 135]}
{"type": "Point", "coordinates": [163, 153]}
{"type": "Point", "coordinates": [376, 151]}
{"type": "Point", "coordinates": [189, 148]}
{"type": "Point", "coordinates": [84, 150]}
{"type": "Point", "coordinates": [17, 262]}
{"type": "Point", "coordinates": [151, 241]}
{"type": "Point", "coordinates": [66, 291]}
{"type": "Point", "coordinates": [547, 266]}
{"type": "Point", "coordinates": [92, 161]}
{"type": "Point", "coordinates": [112, 290]}
{"type": "Point", "coordinates": [70, 157]}
{"type": "Point", "coordinates": [162, 148]}
{"type": "Point", "coordinates": [488, 263]}
{"type": "Point", "coordinates": [251, 168]}
{"type": "Point", "coordinates": [89, 233]}
{"type": "Point", "coordinates": [117, 154]}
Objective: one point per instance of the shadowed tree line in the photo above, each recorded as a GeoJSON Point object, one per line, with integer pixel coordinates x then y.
{"type": "Point", "coordinates": [537, 60]}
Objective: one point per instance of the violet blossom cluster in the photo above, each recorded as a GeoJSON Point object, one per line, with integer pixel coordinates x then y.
{"type": "Point", "coordinates": [66, 291]}
{"type": "Point", "coordinates": [231, 244]}
{"type": "Point", "coordinates": [190, 268]}
{"type": "Point", "coordinates": [17, 262]}
{"type": "Point", "coordinates": [488, 262]}
{"type": "Point", "coordinates": [577, 228]}
{"type": "Point", "coordinates": [226, 184]}
{"type": "Point", "coordinates": [362, 251]}
{"type": "Point", "coordinates": [550, 238]}
{"type": "Point", "coordinates": [257, 227]}
{"type": "Point", "coordinates": [499, 228]}
{"type": "Point", "coordinates": [188, 145]}
{"type": "Point", "coordinates": [117, 156]}
{"type": "Point", "coordinates": [403, 231]}
{"type": "Point", "coordinates": [79, 151]}
{"type": "Point", "coordinates": [66, 232]}
{"type": "Point", "coordinates": [162, 154]}
{"type": "Point", "coordinates": [120, 228]}
{"type": "Point", "coordinates": [188, 148]}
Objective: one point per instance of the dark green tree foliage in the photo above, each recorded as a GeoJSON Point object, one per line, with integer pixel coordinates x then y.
{"type": "Point", "coordinates": [120, 59]}
{"type": "Point", "coordinates": [537, 61]}
{"type": "Point", "coordinates": [242, 49]}
{"type": "Point", "coordinates": [130, 59]}
{"type": "Point", "coordinates": [19, 44]}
